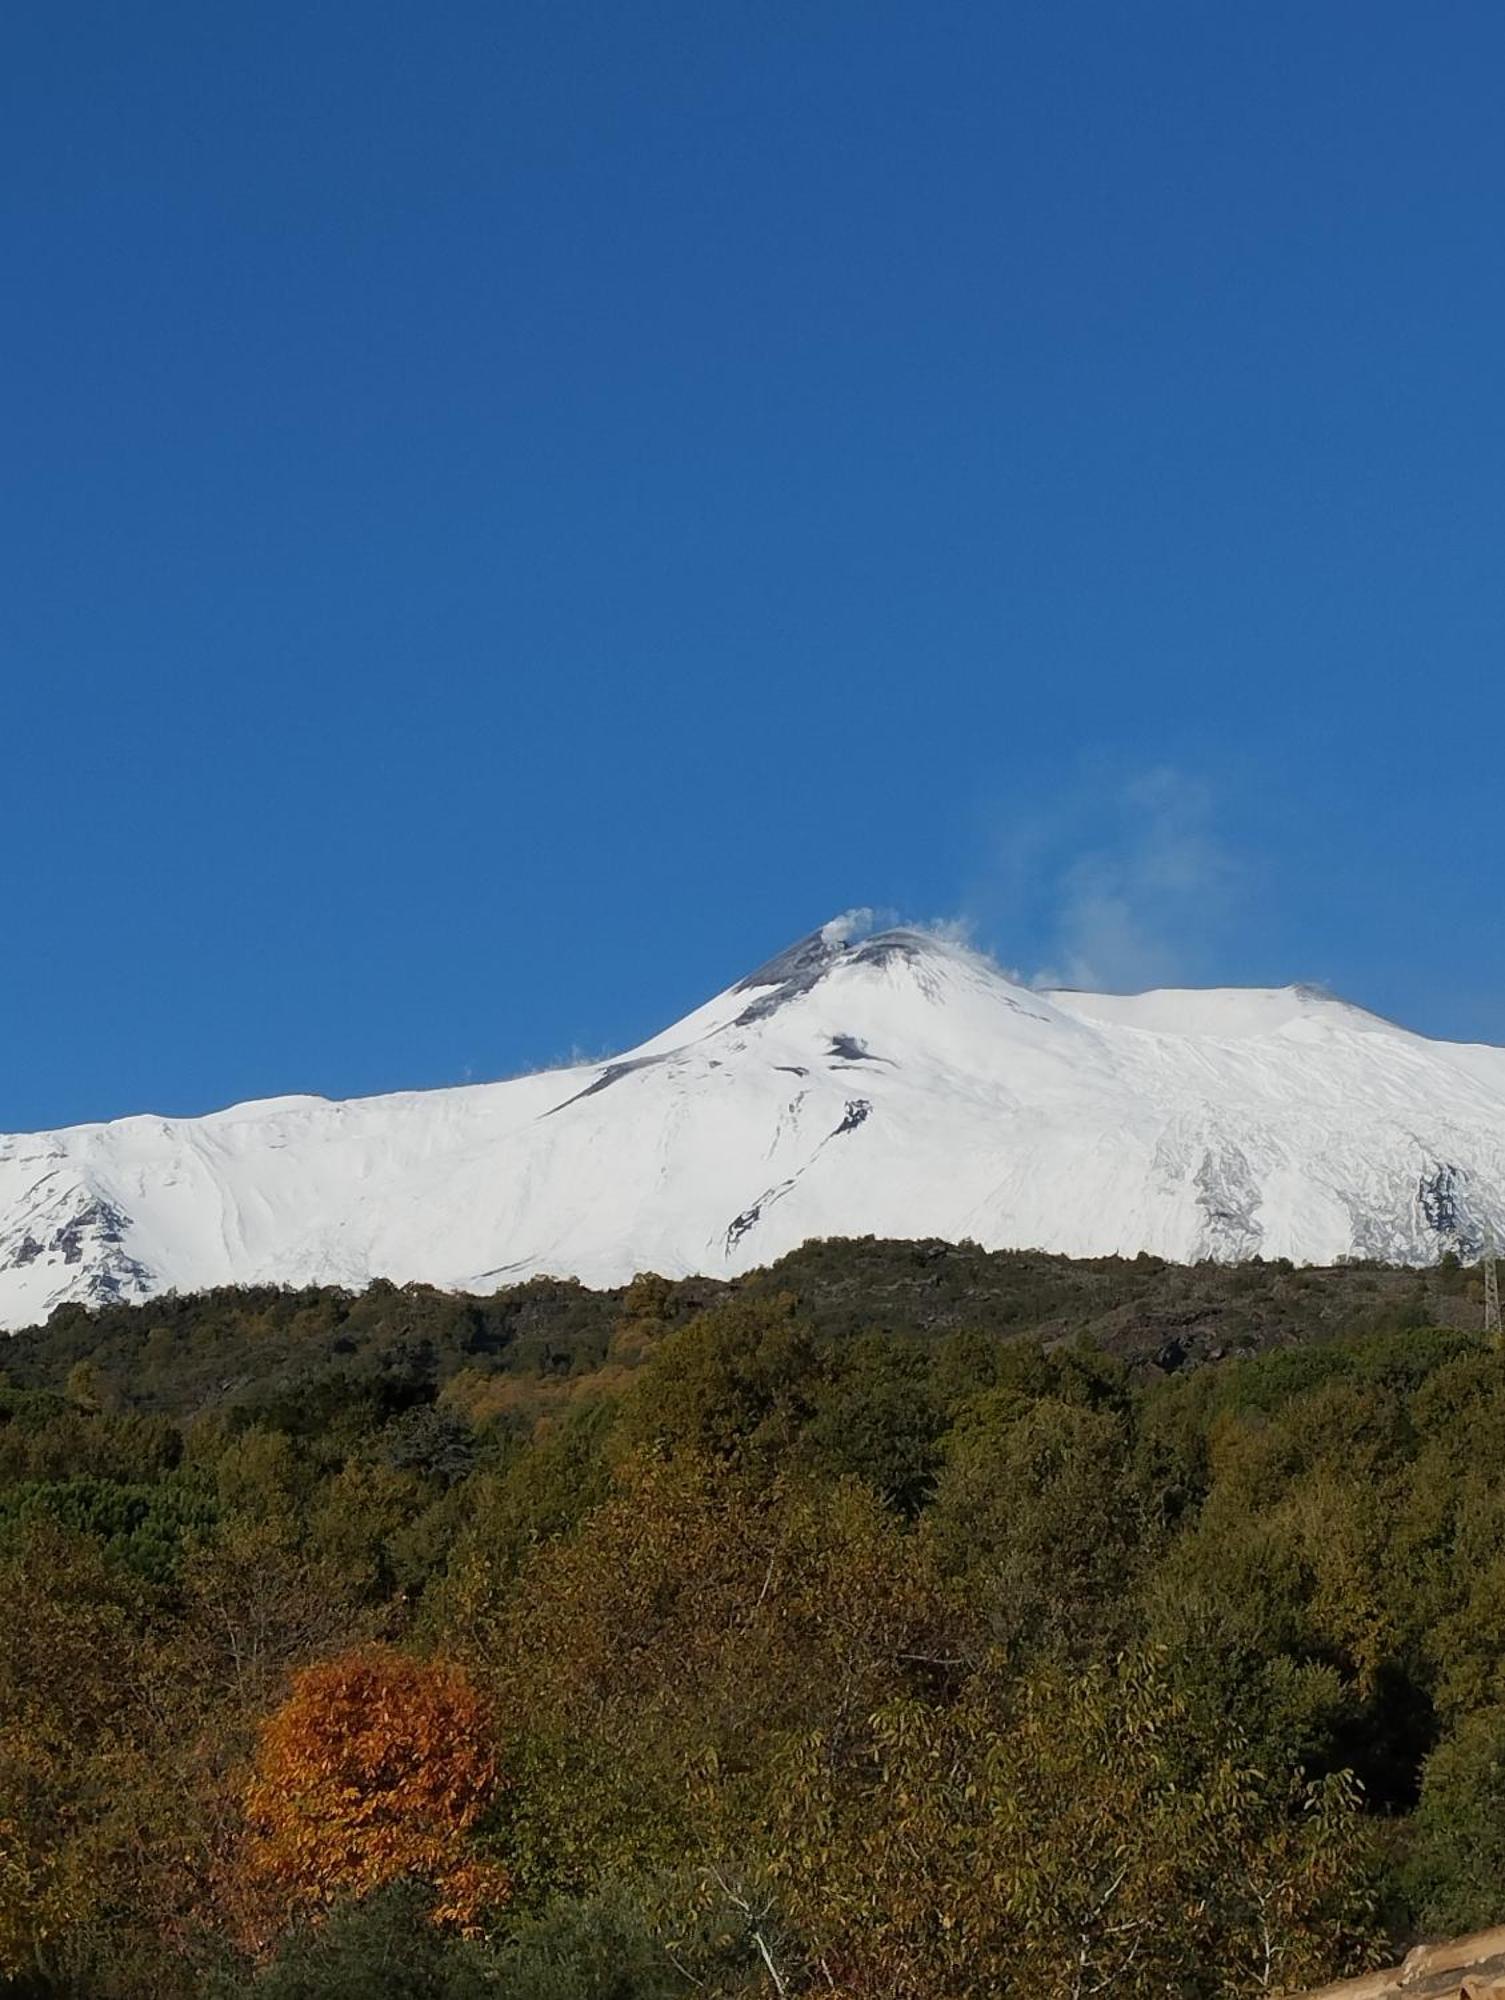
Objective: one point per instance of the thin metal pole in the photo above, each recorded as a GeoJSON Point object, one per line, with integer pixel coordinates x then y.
{"type": "Point", "coordinates": [1491, 1291]}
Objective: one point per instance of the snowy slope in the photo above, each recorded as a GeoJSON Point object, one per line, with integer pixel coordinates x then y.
{"type": "Point", "coordinates": [897, 1085]}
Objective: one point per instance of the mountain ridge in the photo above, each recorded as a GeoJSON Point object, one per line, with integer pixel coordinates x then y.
{"type": "Point", "coordinates": [892, 1083]}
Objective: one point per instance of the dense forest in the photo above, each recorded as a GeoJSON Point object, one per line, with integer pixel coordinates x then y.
{"type": "Point", "coordinates": [903, 1622]}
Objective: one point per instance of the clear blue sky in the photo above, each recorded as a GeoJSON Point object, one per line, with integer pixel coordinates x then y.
{"type": "Point", "coordinates": [513, 511]}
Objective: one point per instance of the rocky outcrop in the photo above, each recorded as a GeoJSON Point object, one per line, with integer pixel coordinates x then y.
{"type": "Point", "coordinates": [1471, 1968]}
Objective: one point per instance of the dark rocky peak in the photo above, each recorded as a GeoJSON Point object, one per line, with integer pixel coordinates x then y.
{"type": "Point", "coordinates": [841, 942]}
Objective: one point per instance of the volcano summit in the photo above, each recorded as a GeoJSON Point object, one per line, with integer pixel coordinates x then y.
{"type": "Point", "coordinates": [896, 1085]}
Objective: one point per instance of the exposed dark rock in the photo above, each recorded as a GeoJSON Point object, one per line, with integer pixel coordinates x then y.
{"type": "Point", "coordinates": [858, 1109]}
{"type": "Point", "coordinates": [613, 1073]}
{"type": "Point", "coordinates": [846, 1049]}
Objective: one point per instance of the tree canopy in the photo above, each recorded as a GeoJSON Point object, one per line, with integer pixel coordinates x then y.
{"type": "Point", "coordinates": [901, 1625]}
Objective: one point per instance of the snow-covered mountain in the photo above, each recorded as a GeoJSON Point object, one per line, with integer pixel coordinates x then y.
{"type": "Point", "coordinates": [897, 1085]}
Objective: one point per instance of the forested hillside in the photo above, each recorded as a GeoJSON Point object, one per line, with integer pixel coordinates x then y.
{"type": "Point", "coordinates": [900, 1623]}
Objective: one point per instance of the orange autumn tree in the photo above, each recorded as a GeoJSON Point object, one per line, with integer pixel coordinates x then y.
{"type": "Point", "coordinates": [377, 1767]}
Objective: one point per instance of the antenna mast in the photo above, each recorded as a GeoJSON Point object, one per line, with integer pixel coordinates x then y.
{"type": "Point", "coordinates": [1491, 1290]}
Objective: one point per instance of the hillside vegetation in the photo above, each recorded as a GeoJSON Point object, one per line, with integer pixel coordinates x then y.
{"type": "Point", "coordinates": [901, 1623]}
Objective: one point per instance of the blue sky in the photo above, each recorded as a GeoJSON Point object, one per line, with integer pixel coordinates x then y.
{"type": "Point", "coordinates": [511, 512]}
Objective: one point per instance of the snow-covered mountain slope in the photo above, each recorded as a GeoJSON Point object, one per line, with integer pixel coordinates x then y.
{"type": "Point", "coordinates": [898, 1085]}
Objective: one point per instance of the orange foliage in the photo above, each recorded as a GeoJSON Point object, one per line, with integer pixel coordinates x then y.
{"type": "Point", "coordinates": [376, 1767]}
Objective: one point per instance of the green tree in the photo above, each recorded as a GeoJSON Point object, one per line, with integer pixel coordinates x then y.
{"type": "Point", "coordinates": [1035, 1515]}
{"type": "Point", "coordinates": [1077, 1832]}
{"type": "Point", "coordinates": [1453, 1874]}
